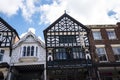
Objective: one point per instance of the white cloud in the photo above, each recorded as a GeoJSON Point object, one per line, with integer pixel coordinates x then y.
{"type": "Point", "coordinates": [28, 8]}
{"type": "Point", "coordinates": [85, 11]}
{"type": "Point", "coordinates": [52, 11]}
{"type": "Point", "coordinates": [30, 29]}
{"type": "Point", "coordinates": [10, 7]}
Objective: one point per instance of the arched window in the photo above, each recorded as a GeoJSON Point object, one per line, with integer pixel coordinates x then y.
{"type": "Point", "coordinates": [32, 51]}
{"type": "Point", "coordinates": [24, 51]}
{"type": "Point", "coordinates": [28, 51]}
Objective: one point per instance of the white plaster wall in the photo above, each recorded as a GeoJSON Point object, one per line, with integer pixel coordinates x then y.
{"type": "Point", "coordinates": [16, 55]}
{"type": "Point", "coordinates": [6, 57]}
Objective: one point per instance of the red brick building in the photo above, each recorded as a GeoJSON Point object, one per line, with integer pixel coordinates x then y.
{"type": "Point", "coordinates": [105, 50]}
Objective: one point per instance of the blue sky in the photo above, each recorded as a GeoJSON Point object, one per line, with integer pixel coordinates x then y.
{"type": "Point", "coordinates": [37, 15]}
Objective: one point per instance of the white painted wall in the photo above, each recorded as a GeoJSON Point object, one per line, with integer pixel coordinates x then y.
{"type": "Point", "coordinates": [17, 54]}
{"type": "Point", "coordinates": [6, 57]}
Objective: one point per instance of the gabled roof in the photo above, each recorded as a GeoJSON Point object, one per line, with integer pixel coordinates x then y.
{"type": "Point", "coordinates": [71, 18]}
{"type": "Point", "coordinates": [25, 37]}
{"type": "Point", "coordinates": [8, 26]}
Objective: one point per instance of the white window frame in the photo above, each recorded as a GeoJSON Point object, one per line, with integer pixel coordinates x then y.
{"type": "Point", "coordinates": [99, 36]}
{"type": "Point", "coordinates": [35, 53]}
{"type": "Point", "coordinates": [113, 36]}
{"type": "Point", "coordinates": [102, 46]}
{"type": "Point", "coordinates": [116, 46]}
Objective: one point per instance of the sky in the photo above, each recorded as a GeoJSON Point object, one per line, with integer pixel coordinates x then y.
{"type": "Point", "coordinates": [37, 15]}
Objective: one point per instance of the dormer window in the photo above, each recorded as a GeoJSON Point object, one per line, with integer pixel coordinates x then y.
{"type": "Point", "coordinates": [29, 51]}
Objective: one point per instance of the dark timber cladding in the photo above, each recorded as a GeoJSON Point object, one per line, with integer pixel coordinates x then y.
{"type": "Point", "coordinates": [7, 35]}
{"type": "Point", "coordinates": [67, 45]}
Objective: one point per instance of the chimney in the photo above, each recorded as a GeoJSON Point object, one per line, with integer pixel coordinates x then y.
{"type": "Point", "coordinates": [118, 24]}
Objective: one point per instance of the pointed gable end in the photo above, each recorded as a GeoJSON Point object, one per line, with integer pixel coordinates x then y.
{"type": "Point", "coordinates": [30, 38]}
{"type": "Point", "coordinates": [65, 23]}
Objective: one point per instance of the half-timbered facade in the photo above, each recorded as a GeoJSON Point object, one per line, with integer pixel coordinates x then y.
{"type": "Point", "coordinates": [28, 59]}
{"type": "Point", "coordinates": [67, 50]}
{"type": "Point", "coordinates": [8, 36]}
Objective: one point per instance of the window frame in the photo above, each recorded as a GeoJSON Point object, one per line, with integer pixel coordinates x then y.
{"type": "Point", "coordinates": [67, 39]}
{"type": "Point", "coordinates": [105, 54]}
{"type": "Point", "coordinates": [60, 54]}
{"type": "Point", "coordinates": [113, 48]}
{"type": "Point", "coordinates": [112, 34]}
{"type": "Point", "coordinates": [2, 54]}
{"type": "Point", "coordinates": [94, 31]}
{"type": "Point", "coordinates": [29, 49]}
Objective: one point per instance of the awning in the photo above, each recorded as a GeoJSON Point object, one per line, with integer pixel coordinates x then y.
{"type": "Point", "coordinates": [29, 68]}
{"type": "Point", "coordinates": [4, 64]}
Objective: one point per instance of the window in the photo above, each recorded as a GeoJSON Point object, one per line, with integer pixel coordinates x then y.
{"type": "Point", "coordinates": [1, 54]}
{"type": "Point", "coordinates": [32, 50]}
{"type": "Point", "coordinates": [111, 34]}
{"type": "Point", "coordinates": [24, 50]}
{"type": "Point", "coordinates": [97, 35]}
{"type": "Point", "coordinates": [29, 51]}
{"type": "Point", "coordinates": [101, 53]}
{"type": "Point", "coordinates": [77, 53]}
{"type": "Point", "coordinates": [0, 36]}
{"type": "Point", "coordinates": [60, 54]}
{"type": "Point", "coordinates": [116, 51]}
{"type": "Point", "coordinates": [67, 39]}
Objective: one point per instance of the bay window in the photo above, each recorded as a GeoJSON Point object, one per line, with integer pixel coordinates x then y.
{"type": "Point", "coordinates": [29, 51]}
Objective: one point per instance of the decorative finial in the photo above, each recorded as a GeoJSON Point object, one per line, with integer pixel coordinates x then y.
{"type": "Point", "coordinates": [65, 11]}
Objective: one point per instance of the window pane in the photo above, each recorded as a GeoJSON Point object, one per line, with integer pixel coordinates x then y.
{"type": "Point", "coordinates": [97, 35]}
{"type": "Point", "coordinates": [116, 51]}
{"type": "Point", "coordinates": [24, 51]}
{"type": "Point", "coordinates": [32, 51]}
{"type": "Point", "coordinates": [1, 54]}
{"type": "Point", "coordinates": [101, 54]}
{"type": "Point", "coordinates": [60, 53]}
{"type": "Point", "coordinates": [111, 35]}
{"type": "Point", "coordinates": [77, 53]}
{"type": "Point", "coordinates": [67, 39]}
{"type": "Point", "coordinates": [28, 51]}
{"type": "Point", "coordinates": [36, 51]}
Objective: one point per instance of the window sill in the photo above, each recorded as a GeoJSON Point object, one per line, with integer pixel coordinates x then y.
{"type": "Point", "coordinates": [28, 59]}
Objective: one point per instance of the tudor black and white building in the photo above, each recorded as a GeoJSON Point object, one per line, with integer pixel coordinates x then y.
{"type": "Point", "coordinates": [8, 36]}
{"type": "Point", "coordinates": [28, 59]}
{"type": "Point", "coordinates": [67, 50]}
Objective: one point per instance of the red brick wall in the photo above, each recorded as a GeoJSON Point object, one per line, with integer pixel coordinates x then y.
{"type": "Point", "coordinates": [105, 41]}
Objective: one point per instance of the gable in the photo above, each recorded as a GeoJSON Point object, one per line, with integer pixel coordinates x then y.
{"type": "Point", "coordinates": [4, 26]}
{"type": "Point", "coordinates": [30, 38]}
{"type": "Point", "coordinates": [65, 23]}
